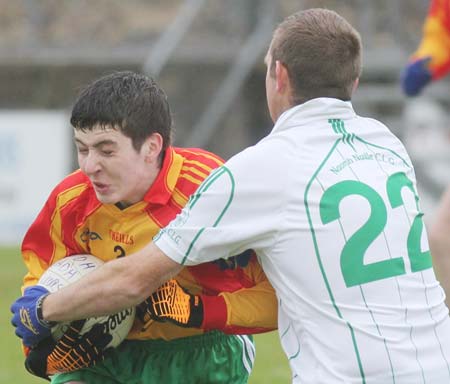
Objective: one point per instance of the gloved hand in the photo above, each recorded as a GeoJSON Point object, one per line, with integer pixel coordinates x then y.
{"type": "Point", "coordinates": [415, 76]}
{"type": "Point", "coordinates": [71, 352]}
{"type": "Point", "coordinates": [27, 316]}
{"type": "Point", "coordinates": [172, 303]}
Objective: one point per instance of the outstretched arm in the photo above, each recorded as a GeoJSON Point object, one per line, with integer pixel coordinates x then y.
{"type": "Point", "coordinates": [119, 284]}
{"type": "Point", "coordinates": [251, 308]}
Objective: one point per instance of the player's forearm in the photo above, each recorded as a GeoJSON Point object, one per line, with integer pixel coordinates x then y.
{"type": "Point", "coordinates": [105, 291]}
{"type": "Point", "coordinates": [254, 307]}
{"type": "Point", "coordinates": [119, 284]}
{"type": "Point", "coordinates": [219, 314]}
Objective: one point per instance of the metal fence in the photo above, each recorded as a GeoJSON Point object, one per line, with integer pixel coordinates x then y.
{"type": "Point", "coordinates": [208, 55]}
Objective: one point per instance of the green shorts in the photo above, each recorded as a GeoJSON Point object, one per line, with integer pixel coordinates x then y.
{"type": "Point", "coordinates": [210, 358]}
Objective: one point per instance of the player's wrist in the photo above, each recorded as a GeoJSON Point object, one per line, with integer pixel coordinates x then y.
{"type": "Point", "coordinates": [39, 312]}
{"type": "Point", "coordinates": [196, 311]}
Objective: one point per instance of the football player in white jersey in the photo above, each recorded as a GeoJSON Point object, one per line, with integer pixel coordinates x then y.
{"type": "Point", "coordinates": [328, 201]}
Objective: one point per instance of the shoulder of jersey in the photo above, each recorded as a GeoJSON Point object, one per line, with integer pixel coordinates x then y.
{"type": "Point", "coordinates": [197, 165]}
{"type": "Point", "coordinates": [75, 179]}
{"type": "Point", "coordinates": [74, 186]}
{"type": "Point", "coordinates": [201, 155]}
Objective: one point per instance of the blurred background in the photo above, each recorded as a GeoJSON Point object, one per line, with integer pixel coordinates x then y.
{"type": "Point", "coordinates": [208, 56]}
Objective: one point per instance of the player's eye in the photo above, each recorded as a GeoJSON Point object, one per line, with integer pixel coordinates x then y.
{"type": "Point", "coordinates": [82, 151]}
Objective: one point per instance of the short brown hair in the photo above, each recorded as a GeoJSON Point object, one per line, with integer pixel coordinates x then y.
{"type": "Point", "coordinates": [322, 53]}
{"type": "Point", "coordinates": [127, 101]}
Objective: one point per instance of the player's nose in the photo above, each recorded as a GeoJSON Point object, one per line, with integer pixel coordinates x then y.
{"type": "Point", "coordinates": [90, 164]}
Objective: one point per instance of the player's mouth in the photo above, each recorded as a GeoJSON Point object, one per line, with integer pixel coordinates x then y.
{"type": "Point", "coordinates": [100, 188]}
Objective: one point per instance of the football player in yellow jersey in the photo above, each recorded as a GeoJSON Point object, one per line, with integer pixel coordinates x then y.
{"type": "Point", "coordinates": [131, 183]}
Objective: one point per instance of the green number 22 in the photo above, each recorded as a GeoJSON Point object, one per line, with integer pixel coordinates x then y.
{"type": "Point", "coordinates": [354, 271]}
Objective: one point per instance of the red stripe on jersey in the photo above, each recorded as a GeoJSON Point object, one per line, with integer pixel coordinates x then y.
{"type": "Point", "coordinates": [175, 204]}
{"type": "Point", "coordinates": [163, 215]}
{"type": "Point", "coordinates": [38, 238]}
{"type": "Point", "coordinates": [159, 191]}
{"type": "Point", "coordinates": [209, 159]}
{"type": "Point", "coordinates": [187, 187]}
{"type": "Point", "coordinates": [194, 175]}
{"type": "Point", "coordinates": [215, 317]}
{"type": "Point", "coordinates": [440, 9]}
{"type": "Point", "coordinates": [213, 280]}
{"type": "Point", "coordinates": [74, 214]}
{"type": "Point", "coordinates": [214, 312]}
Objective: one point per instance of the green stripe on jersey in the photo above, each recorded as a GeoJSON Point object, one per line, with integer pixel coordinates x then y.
{"type": "Point", "coordinates": [210, 180]}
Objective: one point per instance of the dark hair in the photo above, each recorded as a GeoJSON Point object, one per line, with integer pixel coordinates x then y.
{"type": "Point", "coordinates": [130, 102]}
{"type": "Point", "coordinates": [322, 53]}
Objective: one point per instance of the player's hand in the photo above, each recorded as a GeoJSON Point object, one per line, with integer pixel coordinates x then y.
{"type": "Point", "coordinates": [416, 76]}
{"type": "Point", "coordinates": [27, 316]}
{"type": "Point", "coordinates": [172, 303]}
{"type": "Point", "coordinates": [70, 353]}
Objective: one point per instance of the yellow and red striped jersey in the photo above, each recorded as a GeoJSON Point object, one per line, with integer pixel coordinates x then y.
{"type": "Point", "coordinates": [436, 39]}
{"type": "Point", "coordinates": [238, 299]}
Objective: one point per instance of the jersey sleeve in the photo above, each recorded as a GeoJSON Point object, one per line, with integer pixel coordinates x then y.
{"type": "Point", "coordinates": [239, 206]}
{"type": "Point", "coordinates": [45, 241]}
{"type": "Point", "coordinates": [39, 244]}
{"type": "Point", "coordinates": [435, 41]}
{"type": "Point", "coordinates": [248, 310]}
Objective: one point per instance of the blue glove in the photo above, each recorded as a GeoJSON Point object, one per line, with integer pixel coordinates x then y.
{"type": "Point", "coordinates": [27, 316]}
{"type": "Point", "coordinates": [415, 76]}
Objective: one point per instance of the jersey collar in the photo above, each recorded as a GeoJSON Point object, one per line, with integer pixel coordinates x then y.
{"type": "Point", "coordinates": [164, 184]}
{"type": "Point", "coordinates": [313, 110]}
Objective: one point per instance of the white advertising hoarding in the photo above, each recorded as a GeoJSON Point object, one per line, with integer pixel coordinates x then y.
{"type": "Point", "coordinates": [35, 154]}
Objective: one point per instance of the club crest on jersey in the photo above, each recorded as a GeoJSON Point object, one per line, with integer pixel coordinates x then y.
{"type": "Point", "coordinates": [26, 320]}
{"type": "Point", "coordinates": [88, 235]}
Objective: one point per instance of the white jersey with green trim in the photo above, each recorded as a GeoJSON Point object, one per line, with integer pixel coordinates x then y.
{"type": "Point", "coordinates": [329, 202]}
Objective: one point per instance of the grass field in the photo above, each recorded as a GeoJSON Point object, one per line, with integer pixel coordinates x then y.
{"type": "Point", "coordinates": [271, 366]}
{"type": "Point", "coordinates": [11, 356]}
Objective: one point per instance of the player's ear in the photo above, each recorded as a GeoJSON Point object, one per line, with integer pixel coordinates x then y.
{"type": "Point", "coordinates": [355, 84]}
{"type": "Point", "coordinates": [281, 77]}
{"type": "Point", "coordinates": [152, 147]}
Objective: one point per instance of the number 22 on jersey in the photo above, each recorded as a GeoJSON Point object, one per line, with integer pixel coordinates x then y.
{"type": "Point", "coordinates": [359, 158]}
{"type": "Point", "coordinates": [354, 270]}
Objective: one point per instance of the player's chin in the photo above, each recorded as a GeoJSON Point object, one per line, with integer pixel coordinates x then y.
{"type": "Point", "coordinates": [106, 198]}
